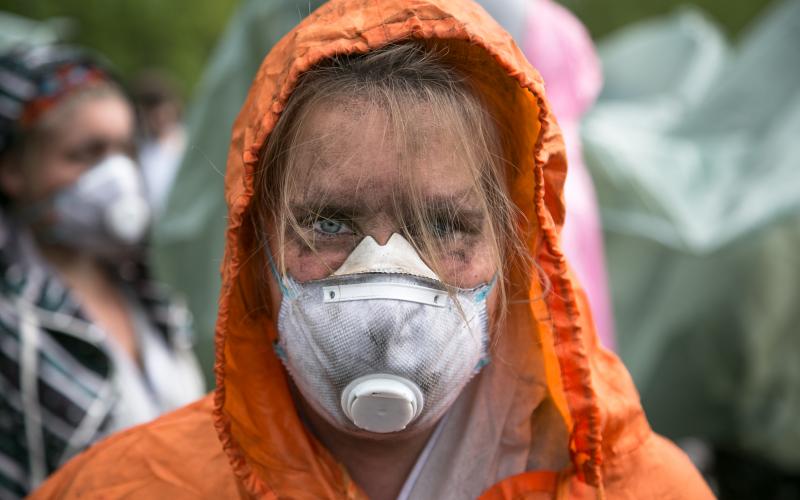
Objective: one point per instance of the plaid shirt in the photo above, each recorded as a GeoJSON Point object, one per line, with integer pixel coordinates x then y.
{"type": "Point", "coordinates": [55, 368]}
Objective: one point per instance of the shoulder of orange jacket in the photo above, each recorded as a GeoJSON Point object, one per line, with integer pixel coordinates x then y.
{"type": "Point", "coordinates": [175, 456]}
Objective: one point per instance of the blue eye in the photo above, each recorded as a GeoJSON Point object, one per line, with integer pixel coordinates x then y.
{"type": "Point", "coordinates": [441, 228]}
{"type": "Point", "coordinates": [330, 227]}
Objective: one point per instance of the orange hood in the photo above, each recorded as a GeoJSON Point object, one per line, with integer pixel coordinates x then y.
{"type": "Point", "coordinates": [268, 446]}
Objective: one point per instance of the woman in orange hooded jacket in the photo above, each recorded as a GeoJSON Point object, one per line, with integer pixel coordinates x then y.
{"type": "Point", "coordinates": [397, 319]}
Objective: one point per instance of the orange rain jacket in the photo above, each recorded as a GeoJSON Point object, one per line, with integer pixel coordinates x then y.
{"type": "Point", "coordinates": [246, 439]}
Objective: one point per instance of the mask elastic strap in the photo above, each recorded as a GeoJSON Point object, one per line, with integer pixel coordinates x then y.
{"type": "Point", "coordinates": [480, 296]}
{"type": "Point", "coordinates": [284, 289]}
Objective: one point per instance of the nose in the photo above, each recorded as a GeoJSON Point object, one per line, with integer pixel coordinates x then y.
{"type": "Point", "coordinates": [382, 228]}
{"type": "Point", "coordinates": [382, 238]}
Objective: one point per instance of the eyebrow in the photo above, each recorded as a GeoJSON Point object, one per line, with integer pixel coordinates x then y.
{"type": "Point", "coordinates": [328, 205]}
{"type": "Point", "coordinates": [327, 210]}
{"type": "Point", "coordinates": [452, 208]}
{"type": "Point", "coordinates": [457, 202]}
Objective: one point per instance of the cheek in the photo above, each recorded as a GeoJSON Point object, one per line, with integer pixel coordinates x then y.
{"type": "Point", "coordinates": [468, 266]}
{"type": "Point", "coordinates": [304, 264]}
{"type": "Point", "coordinates": [51, 173]}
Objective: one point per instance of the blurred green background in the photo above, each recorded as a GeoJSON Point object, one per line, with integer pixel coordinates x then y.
{"type": "Point", "coordinates": [178, 35]}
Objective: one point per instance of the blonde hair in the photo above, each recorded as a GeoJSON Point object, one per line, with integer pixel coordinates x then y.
{"type": "Point", "coordinates": [397, 80]}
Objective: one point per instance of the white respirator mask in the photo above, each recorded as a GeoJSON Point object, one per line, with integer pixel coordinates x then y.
{"type": "Point", "coordinates": [380, 346]}
{"type": "Point", "coordinates": [105, 212]}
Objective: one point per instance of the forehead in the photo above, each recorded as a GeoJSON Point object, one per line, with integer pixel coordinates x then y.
{"type": "Point", "coordinates": [104, 115]}
{"type": "Point", "coordinates": [362, 150]}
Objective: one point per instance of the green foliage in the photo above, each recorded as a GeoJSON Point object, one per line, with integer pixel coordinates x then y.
{"type": "Point", "coordinates": [177, 35]}
{"type": "Point", "coordinates": [604, 16]}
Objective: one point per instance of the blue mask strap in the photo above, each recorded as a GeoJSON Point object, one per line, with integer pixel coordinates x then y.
{"type": "Point", "coordinates": [284, 290]}
{"type": "Point", "coordinates": [481, 363]}
{"type": "Point", "coordinates": [481, 295]}
{"type": "Point", "coordinates": [276, 346]}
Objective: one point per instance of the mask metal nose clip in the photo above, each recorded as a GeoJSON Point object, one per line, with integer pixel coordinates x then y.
{"type": "Point", "coordinates": [382, 403]}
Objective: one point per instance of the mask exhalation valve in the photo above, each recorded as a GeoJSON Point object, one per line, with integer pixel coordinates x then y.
{"type": "Point", "coordinates": [382, 403]}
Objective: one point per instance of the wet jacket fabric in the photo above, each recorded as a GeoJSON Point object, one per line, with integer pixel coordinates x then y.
{"type": "Point", "coordinates": [246, 439]}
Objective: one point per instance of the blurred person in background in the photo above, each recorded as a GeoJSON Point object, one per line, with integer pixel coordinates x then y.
{"type": "Point", "coordinates": [402, 153]}
{"type": "Point", "coordinates": [88, 344]}
{"type": "Point", "coordinates": [163, 138]}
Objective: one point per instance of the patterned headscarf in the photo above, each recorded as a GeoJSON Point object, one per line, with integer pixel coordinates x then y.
{"type": "Point", "coordinates": [34, 79]}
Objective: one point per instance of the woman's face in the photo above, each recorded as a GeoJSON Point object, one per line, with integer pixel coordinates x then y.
{"type": "Point", "coordinates": [351, 186]}
{"type": "Point", "coordinates": [75, 138]}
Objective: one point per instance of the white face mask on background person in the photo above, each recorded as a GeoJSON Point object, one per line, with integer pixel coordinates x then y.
{"type": "Point", "coordinates": [105, 212]}
{"type": "Point", "coordinates": [380, 346]}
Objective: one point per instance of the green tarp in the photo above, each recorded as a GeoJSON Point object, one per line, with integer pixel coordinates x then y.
{"type": "Point", "coordinates": [694, 147]}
